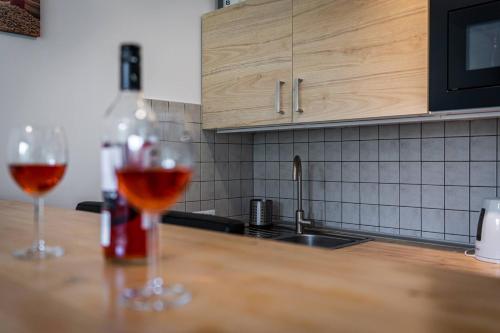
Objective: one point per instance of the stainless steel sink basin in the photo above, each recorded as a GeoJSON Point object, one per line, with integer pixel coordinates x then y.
{"type": "Point", "coordinates": [331, 242]}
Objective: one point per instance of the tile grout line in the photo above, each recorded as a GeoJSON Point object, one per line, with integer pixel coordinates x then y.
{"type": "Point", "coordinates": [421, 187]}
{"type": "Point", "coordinates": [399, 176]}
{"type": "Point", "coordinates": [378, 177]}
{"type": "Point", "coordinates": [470, 183]}
{"type": "Point", "coordinates": [444, 180]}
{"type": "Point", "coordinates": [341, 183]}
{"type": "Point", "coordinates": [359, 181]}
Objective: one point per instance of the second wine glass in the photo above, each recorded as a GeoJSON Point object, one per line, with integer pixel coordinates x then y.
{"type": "Point", "coordinates": [152, 177]}
{"type": "Point", "coordinates": [37, 159]}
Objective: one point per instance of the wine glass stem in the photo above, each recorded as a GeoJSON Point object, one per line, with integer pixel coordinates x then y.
{"type": "Point", "coordinates": [38, 243]}
{"type": "Point", "coordinates": [154, 276]}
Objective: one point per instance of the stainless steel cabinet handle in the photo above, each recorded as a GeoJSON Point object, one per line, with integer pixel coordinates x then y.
{"type": "Point", "coordinates": [277, 96]}
{"type": "Point", "coordinates": [296, 97]}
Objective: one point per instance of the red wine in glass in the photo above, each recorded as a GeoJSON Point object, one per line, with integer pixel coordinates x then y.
{"type": "Point", "coordinates": [153, 189]}
{"type": "Point", "coordinates": [37, 179]}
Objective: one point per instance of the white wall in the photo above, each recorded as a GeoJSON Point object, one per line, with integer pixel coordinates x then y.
{"type": "Point", "coordinates": [70, 75]}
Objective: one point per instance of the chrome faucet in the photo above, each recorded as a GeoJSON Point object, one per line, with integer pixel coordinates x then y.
{"type": "Point", "coordinates": [299, 214]}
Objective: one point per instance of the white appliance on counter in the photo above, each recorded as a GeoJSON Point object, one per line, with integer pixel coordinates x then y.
{"type": "Point", "coordinates": [488, 232]}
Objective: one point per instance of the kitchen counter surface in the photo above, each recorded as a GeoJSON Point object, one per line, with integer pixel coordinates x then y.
{"type": "Point", "coordinates": [241, 284]}
{"type": "Point", "coordinates": [419, 254]}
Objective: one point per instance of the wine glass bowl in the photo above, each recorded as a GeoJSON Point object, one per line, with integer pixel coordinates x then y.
{"type": "Point", "coordinates": [37, 158]}
{"type": "Point", "coordinates": [152, 176]}
{"type": "Point", "coordinates": [153, 189]}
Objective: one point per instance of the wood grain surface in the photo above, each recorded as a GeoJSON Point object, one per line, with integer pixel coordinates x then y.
{"type": "Point", "coordinates": [360, 58]}
{"type": "Point", "coordinates": [245, 49]}
{"type": "Point", "coordinates": [240, 284]}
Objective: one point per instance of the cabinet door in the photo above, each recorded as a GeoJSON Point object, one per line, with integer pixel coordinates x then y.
{"type": "Point", "coordinates": [360, 58]}
{"type": "Point", "coordinates": [246, 49]}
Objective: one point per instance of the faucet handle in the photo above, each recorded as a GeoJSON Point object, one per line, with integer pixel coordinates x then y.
{"type": "Point", "coordinates": [299, 216]}
{"type": "Point", "coordinates": [306, 222]}
{"type": "Point", "coordinates": [300, 221]}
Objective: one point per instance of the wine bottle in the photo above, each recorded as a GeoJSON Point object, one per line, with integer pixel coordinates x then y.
{"type": "Point", "coordinates": [123, 237]}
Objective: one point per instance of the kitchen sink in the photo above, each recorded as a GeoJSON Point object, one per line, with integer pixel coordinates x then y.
{"type": "Point", "coordinates": [330, 242]}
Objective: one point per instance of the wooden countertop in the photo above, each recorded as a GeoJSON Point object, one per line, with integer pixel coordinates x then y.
{"type": "Point", "coordinates": [422, 255]}
{"type": "Point", "coordinates": [241, 284]}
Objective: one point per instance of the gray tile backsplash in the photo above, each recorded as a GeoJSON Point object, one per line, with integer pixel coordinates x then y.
{"type": "Point", "coordinates": [223, 172]}
{"type": "Point", "coordinates": [420, 180]}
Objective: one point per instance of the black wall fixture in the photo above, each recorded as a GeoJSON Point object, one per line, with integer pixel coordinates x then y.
{"type": "Point", "coordinates": [222, 3]}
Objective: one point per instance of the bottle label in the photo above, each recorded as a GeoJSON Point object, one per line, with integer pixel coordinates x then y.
{"type": "Point", "coordinates": [105, 228]}
{"type": "Point", "coordinates": [110, 161]}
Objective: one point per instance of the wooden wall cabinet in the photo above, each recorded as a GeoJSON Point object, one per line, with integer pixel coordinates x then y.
{"type": "Point", "coordinates": [246, 50]}
{"type": "Point", "coordinates": [356, 59]}
{"type": "Point", "coordinates": [360, 58]}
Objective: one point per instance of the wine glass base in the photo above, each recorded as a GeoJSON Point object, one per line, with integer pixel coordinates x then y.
{"type": "Point", "coordinates": [159, 299]}
{"type": "Point", "coordinates": [35, 254]}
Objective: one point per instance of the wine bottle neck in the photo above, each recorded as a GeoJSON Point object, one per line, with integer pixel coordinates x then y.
{"type": "Point", "coordinates": [130, 68]}
{"type": "Point", "coordinates": [130, 78]}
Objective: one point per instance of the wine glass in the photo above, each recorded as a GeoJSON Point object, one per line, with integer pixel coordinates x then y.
{"type": "Point", "coordinates": [37, 158]}
{"type": "Point", "coordinates": [152, 176]}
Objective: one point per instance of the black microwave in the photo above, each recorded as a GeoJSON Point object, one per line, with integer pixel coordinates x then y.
{"type": "Point", "coordinates": [464, 55]}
